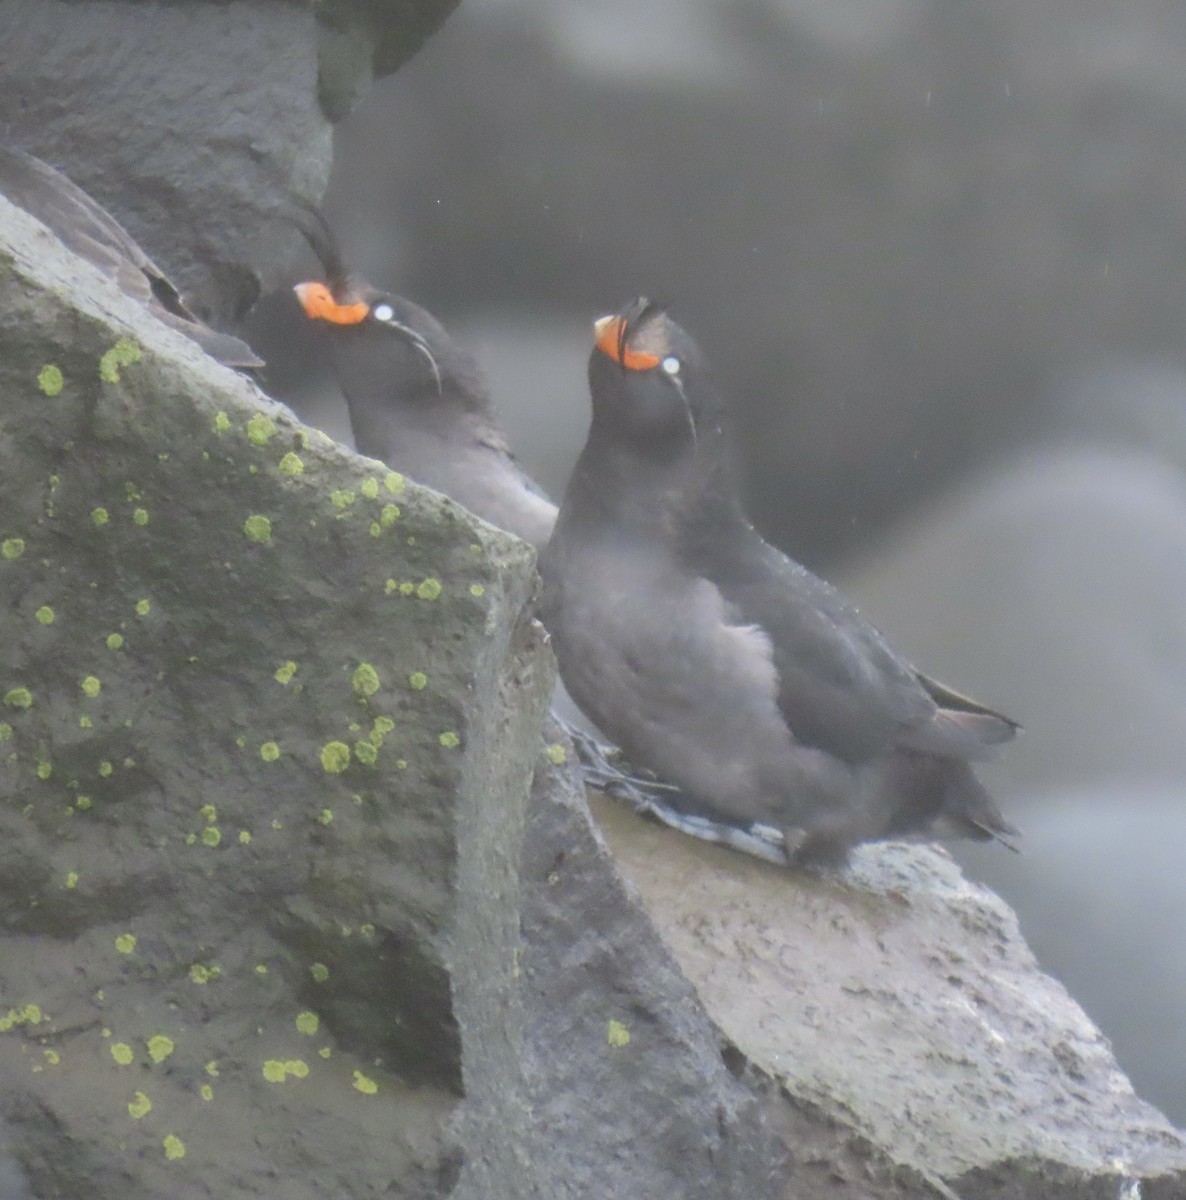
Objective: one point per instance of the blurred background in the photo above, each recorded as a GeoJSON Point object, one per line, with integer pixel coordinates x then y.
{"type": "Point", "coordinates": [937, 255]}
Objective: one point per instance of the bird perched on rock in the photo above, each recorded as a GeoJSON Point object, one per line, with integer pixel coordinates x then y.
{"type": "Point", "coordinates": [715, 660]}
{"type": "Point", "coordinates": [417, 400]}
{"type": "Point", "coordinates": [91, 232]}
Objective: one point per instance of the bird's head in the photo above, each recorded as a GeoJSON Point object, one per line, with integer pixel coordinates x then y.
{"type": "Point", "coordinates": [374, 333]}
{"type": "Point", "coordinates": [649, 383]}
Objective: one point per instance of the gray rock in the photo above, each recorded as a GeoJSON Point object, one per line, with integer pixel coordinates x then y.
{"type": "Point", "coordinates": [197, 123]}
{"type": "Point", "coordinates": [911, 1043]}
{"type": "Point", "coordinates": [630, 1085]}
{"type": "Point", "coordinates": [1054, 588]}
{"type": "Point", "coordinates": [267, 722]}
{"type": "Point", "coordinates": [1100, 894]}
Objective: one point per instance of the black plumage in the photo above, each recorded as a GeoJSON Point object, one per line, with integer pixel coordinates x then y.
{"type": "Point", "coordinates": [91, 232]}
{"type": "Point", "coordinates": [715, 660]}
{"type": "Point", "coordinates": [417, 400]}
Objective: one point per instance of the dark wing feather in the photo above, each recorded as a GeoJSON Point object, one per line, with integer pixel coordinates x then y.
{"type": "Point", "coordinates": [843, 688]}
{"type": "Point", "coordinates": [91, 232]}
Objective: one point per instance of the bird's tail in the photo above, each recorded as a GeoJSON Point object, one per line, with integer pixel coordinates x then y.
{"type": "Point", "coordinates": [941, 797]}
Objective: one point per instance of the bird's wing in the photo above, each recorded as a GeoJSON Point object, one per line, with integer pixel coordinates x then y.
{"type": "Point", "coordinates": [91, 232]}
{"type": "Point", "coordinates": [843, 688]}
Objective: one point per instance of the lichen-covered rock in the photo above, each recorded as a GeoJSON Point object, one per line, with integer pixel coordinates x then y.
{"type": "Point", "coordinates": [630, 1093]}
{"type": "Point", "coordinates": [267, 720]}
{"type": "Point", "coordinates": [907, 1041]}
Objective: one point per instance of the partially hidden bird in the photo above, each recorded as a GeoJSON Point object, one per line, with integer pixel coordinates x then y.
{"type": "Point", "coordinates": [85, 227]}
{"type": "Point", "coordinates": [420, 403]}
{"type": "Point", "coordinates": [791, 727]}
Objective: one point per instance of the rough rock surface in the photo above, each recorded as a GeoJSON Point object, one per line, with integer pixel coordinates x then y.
{"type": "Point", "coordinates": [630, 1094]}
{"type": "Point", "coordinates": [196, 123]}
{"type": "Point", "coordinates": [267, 722]}
{"type": "Point", "coordinates": [915, 1046]}
{"type": "Point", "coordinates": [1071, 567]}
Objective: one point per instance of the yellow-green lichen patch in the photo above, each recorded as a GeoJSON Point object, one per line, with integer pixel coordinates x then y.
{"type": "Point", "coordinates": [370, 488]}
{"type": "Point", "coordinates": [105, 769]}
{"type": "Point", "coordinates": [325, 1052]}
{"type": "Point", "coordinates": [375, 529]}
{"type": "Point", "coordinates": [365, 680]}
{"type": "Point", "coordinates": [124, 353]}
{"type": "Point", "coordinates": [44, 770]}
{"type": "Point", "coordinates": [244, 837]}
{"type": "Point", "coordinates": [84, 722]}
{"type": "Point", "coordinates": [617, 1034]}
{"type": "Point", "coordinates": [100, 516]}
{"type": "Point", "coordinates": [12, 547]}
{"type": "Point", "coordinates": [139, 1106]}
{"type": "Point", "coordinates": [307, 1023]}
{"type": "Point", "coordinates": [379, 730]}
{"type": "Point", "coordinates": [285, 673]}
{"type": "Point", "coordinates": [5, 731]}
{"type": "Point", "coordinates": [83, 803]}
{"type": "Point", "coordinates": [122, 1053]}
{"type": "Point", "coordinates": [296, 1067]}
{"type": "Point", "coordinates": [394, 482]}
{"type": "Point", "coordinates": [140, 516]}
{"type": "Point", "coordinates": [91, 686]}
{"type": "Point", "coordinates": [335, 757]}
{"type": "Point", "coordinates": [143, 607]}
{"type": "Point", "coordinates": [388, 515]}
{"type": "Point", "coordinates": [71, 880]}
{"type": "Point", "coordinates": [45, 615]}
{"type": "Point", "coordinates": [429, 589]}
{"type": "Point", "coordinates": [556, 753]}
{"type": "Point", "coordinates": [341, 498]}
{"type": "Point", "coordinates": [319, 971]}
{"type": "Point", "coordinates": [274, 1071]}
{"type": "Point", "coordinates": [211, 836]}
{"type": "Point", "coordinates": [366, 752]}
{"type": "Point", "coordinates": [159, 1047]}
{"type": "Point", "coordinates": [50, 381]}
{"type": "Point", "coordinates": [367, 929]}
{"type": "Point", "coordinates": [131, 491]}
{"type": "Point", "coordinates": [206, 1092]}
{"type": "Point", "coordinates": [290, 465]}
{"type": "Point", "coordinates": [201, 974]}
{"type": "Point", "coordinates": [258, 528]}
{"type": "Point", "coordinates": [52, 1057]}
{"type": "Point", "coordinates": [261, 429]}
{"type": "Point", "coordinates": [269, 751]}
{"type": "Point", "coordinates": [174, 1146]}
{"type": "Point", "coordinates": [326, 816]}
{"type": "Point", "coordinates": [114, 641]}
{"type": "Point", "coordinates": [418, 681]}
{"type": "Point", "coordinates": [125, 943]}
{"type": "Point", "coordinates": [449, 739]}
{"type": "Point", "coordinates": [365, 1084]}
{"type": "Point", "coordinates": [476, 589]}
{"type": "Point", "coordinates": [18, 697]}
{"type": "Point", "coordinates": [222, 423]}
{"type": "Point", "coordinates": [211, 1068]}
{"type": "Point", "coordinates": [208, 813]}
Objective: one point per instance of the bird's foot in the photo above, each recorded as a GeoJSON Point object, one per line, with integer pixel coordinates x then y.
{"type": "Point", "coordinates": [600, 770]}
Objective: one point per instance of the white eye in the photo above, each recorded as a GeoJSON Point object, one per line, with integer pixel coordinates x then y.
{"type": "Point", "coordinates": [382, 312]}
{"type": "Point", "coordinates": [671, 365]}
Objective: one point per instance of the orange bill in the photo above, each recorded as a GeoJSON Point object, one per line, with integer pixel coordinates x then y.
{"type": "Point", "coordinates": [611, 342]}
{"type": "Point", "coordinates": [319, 303]}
